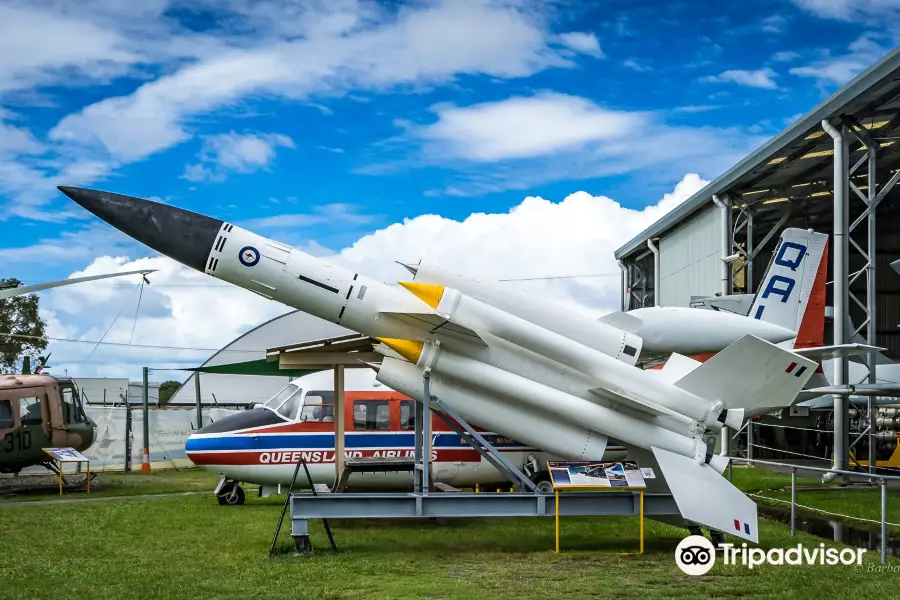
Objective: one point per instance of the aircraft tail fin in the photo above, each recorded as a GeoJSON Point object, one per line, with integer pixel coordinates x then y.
{"type": "Point", "coordinates": [749, 375]}
{"type": "Point", "coordinates": [792, 293]}
{"type": "Point", "coordinates": [705, 497]}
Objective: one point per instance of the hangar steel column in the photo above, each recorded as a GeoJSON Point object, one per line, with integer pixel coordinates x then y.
{"type": "Point", "coordinates": [727, 242]}
{"type": "Point", "coordinates": [841, 287]}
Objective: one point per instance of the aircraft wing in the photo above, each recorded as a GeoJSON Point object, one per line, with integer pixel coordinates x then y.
{"type": "Point", "coordinates": [823, 352]}
{"type": "Point", "coordinates": [859, 389]}
{"type": "Point", "coordinates": [37, 287]}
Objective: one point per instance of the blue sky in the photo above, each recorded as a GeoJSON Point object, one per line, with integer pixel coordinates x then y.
{"type": "Point", "coordinates": [340, 126]}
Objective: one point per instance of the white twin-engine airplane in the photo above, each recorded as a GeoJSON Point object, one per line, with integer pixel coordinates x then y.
{"type": "Point", "coordinates": [512, 363]}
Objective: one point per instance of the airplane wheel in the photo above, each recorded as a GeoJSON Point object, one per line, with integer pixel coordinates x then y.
{"type": "Point", "coordinates": [543, 483]}
{"type": "Point", "coordinates": [227, 498]}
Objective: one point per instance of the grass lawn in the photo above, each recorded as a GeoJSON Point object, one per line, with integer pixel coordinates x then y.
{"type": "Point", "coordinates": [190, 547]}
{"type": "Point", "coordinates": [130, 484]}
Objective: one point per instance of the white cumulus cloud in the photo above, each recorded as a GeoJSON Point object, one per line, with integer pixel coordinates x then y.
{"type": "Point", "coordinates": [521, 127]}
{"type": "Point", "coordinates": [582, 42]}
{"type": "Point", "coordinates": [233, 152]}
{"type": "Point", "coordinates": [838, 70]}
{"type": "Point", "coordinates": [759, 78]}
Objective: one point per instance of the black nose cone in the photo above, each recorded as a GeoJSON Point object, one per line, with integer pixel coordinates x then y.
{"type": "Point", "coordinates": [180, 234]}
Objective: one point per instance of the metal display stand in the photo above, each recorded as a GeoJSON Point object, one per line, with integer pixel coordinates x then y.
{"type": "Point", "coordinates": [640, 491]}
{"type": "Point", "coordinates": [425, 503]}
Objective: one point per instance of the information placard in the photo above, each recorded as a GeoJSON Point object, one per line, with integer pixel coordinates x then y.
{"type": "Point", "coordinates": [596, 474]}
{"type": "Point", "coordinates": [66, 454]}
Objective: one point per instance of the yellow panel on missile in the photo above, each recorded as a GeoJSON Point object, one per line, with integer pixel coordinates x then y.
{"type": "Point", "coordinates": [427, 293]}
{"type": "Point", "coordinates": [408, 349]}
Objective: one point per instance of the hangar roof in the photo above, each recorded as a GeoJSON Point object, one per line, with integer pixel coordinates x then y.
{"type": "Point", "coordinates": [801, 154]}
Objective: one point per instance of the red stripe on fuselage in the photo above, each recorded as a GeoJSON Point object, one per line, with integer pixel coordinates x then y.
{"type": "Point", "coordinates": [291, 457]}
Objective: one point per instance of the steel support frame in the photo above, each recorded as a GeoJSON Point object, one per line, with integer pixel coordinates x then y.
{"type": "Point", "coordinates": [872, 197]}
{"type": "Point", "coordinates": [743, 223]}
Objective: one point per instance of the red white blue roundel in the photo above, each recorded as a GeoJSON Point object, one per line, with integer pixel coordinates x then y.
{"type": "Point", "coordinates": [249, 256]}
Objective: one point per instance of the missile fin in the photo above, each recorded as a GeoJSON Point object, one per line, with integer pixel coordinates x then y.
{"type": "Point", "coordinates": [705, 497]}
{"type": "Point", "coordinates": [427, 293]}
{"type": "Point", "coordinates": [439, 325]}
{"type": "Point", "coordinates": [676, 367]}
{"type": "Point", "coordinates": [645, 406]}
{"type": "Point", "coordinates": [752, 374]}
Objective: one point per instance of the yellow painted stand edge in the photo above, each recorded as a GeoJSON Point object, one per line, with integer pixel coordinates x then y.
{"type": "Point", "coordinates": [602, 490]}
{"type": "Point", "coordinates": [60, 464]}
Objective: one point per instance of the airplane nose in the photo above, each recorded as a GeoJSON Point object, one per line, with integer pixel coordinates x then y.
{"type": "Point", "coordinates": [182, 235]}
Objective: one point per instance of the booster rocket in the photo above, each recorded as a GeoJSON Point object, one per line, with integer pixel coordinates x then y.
{"type": "Point", "coordinates": [522, 366]}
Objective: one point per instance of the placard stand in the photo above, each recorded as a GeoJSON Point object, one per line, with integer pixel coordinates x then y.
{"type": "Point", "coordinates": [604, 477]}
{"type": "Point", "coordinates": [69, 455]}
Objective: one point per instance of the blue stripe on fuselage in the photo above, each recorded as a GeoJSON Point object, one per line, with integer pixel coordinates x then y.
{"type": "Point", "coordinates": [326, 441]}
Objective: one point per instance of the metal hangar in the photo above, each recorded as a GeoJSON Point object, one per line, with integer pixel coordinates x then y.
{"type": "Point", "coordinates": [833, 170]}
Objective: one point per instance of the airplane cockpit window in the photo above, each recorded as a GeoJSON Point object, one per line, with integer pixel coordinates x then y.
{"type": "Point", "coordinates": [289, 409]}
{"type": "Point", "coordinates": [371, 414]}
{"type": "Point", "coordinates": [318, 407]}
{"type": "Point", "coordinates": [279, 398]}
{"type": "Point", "coordinates": [6, 415]}
{"type": "Point", "coordinates": [30, 411]}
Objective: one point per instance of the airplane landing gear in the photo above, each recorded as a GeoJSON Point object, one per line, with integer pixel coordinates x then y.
{"type": "Point", "coordinates": [231, 494]}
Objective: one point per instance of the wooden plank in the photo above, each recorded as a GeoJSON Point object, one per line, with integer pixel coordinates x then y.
{"type": "Point", "coordinates": [303, 360]}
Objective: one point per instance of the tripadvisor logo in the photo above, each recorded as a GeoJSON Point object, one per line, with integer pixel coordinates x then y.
{"type": "Point", "coordinates": [696, 555]}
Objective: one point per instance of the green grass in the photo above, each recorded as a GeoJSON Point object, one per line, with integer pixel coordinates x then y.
{"type": "Point", "coordinates": [190, 547]}
{"type": "Point", "coordinates": [131, 484]}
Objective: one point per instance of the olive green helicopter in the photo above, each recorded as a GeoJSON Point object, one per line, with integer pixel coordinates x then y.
{"type": "Point", "coordinates": [38, 410]}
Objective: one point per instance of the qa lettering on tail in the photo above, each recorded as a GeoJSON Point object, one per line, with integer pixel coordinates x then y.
{"type": "Point", "coordinates": [781, 282]}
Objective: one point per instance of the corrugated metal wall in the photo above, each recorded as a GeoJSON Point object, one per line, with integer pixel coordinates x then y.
{"type": "Point", "coordinates": [689, 260]}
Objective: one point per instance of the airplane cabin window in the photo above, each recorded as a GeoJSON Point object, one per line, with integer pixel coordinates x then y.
{"type": "Point", "coordinates": [30, 411]}
{"type": "Point", "coordinates": [371, 414]}
{"type": "Point", "coordinates": [318, 407]}
{"type": "Point", "coordinates": [6, 415]}
{"type": "Point", "coordinates": [407, 415]}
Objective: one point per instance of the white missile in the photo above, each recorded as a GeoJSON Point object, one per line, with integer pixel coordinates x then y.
{"type": "Point", "coordinates": [614, 376]}
{"type": "Point", "coordinates": [497, 413]}
{"type": "Point", "coordinates": [587, 331]}
{"type": "Point", "coordinates": [497, 382]}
